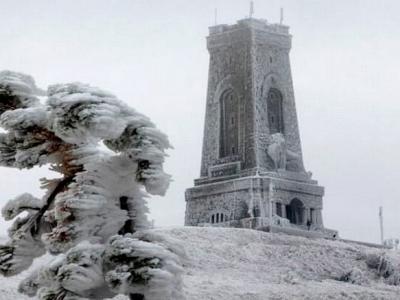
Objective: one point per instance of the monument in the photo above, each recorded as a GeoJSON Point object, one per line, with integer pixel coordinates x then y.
{"type": "Point", "coordinates": [252, 172]}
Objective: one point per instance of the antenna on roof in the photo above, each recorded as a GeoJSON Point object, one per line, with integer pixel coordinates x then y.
{"type": "Point", "coordinates": [215, 16]}
{"type": "Point", "coordinates": [251, 9]}
{"type": "Point", "coordinates": [281, 19]}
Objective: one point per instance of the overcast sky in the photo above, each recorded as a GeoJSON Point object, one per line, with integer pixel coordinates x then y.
{"type": "Point", "coordinates": [152, 54]}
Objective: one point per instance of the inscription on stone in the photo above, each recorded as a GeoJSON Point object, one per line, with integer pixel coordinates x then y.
{"type": "Point", "coordinates": [224, 170]}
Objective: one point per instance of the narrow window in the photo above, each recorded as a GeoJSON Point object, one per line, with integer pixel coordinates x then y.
{"type": "Point", "coordinates": [222, 218]}
{"type": "Point", "coordinates": [229, 127]}
{"type": "Point", "coordinates": [212, 219]}
{"type": "Point", "coordinates": [217, 218]}
{"type": "Point", "coordinates": [274, 111]}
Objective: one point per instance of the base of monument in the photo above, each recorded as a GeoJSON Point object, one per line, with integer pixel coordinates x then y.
{"type": "Point", "coordinates": [237, 199]}
{"type": "Point", "coordinates": [316, 233]}
{"type": "Point", "coordinates": [278, 225]}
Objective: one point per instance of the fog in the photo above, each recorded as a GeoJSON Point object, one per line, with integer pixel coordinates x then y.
{"type": "Point", "coordinates": [152, 54]}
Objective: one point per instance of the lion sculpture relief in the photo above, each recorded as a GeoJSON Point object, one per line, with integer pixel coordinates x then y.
{"type": "Point", "coordinates": [283, 158]}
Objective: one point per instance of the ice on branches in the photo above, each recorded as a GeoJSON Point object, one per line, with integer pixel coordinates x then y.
{"type": "Point", "coordinates": [81, 113]}
{"type": "Point", "coordinates": [100, 194]}
{"type": "Point", "coordinates": [24, 202]}
{"type": "Point", "coordinates": [140, 267]}
{"type": "Point", "coordinates": [17, 90]}
{"type": "Point", "coordinates": [18, 254]}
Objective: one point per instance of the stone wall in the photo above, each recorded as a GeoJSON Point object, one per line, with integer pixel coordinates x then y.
{"type": "Point", "coordinates": [249, 58]}
{"type": "Point", "coordinates": [249, 197]}
{"type": "Point", "coordinates": [272, 70]}
{"type": "Point", "coordinates": [230, 68]}
{"type": "Point", "coordinates": [231, 204]}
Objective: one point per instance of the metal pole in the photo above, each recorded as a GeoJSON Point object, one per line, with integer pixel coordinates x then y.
{"type": "Point", "coordinates": [271, 196]}
{"type": "Point", "coordinates": [381, 222]}
{"type": "Point", "coordinates": [251, 9]}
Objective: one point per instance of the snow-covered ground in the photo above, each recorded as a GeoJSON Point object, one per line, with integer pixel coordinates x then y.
{"type": "Point", "coordinates": [229, 264]}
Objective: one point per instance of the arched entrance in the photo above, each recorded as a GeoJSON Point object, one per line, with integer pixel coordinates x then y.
{"type": "Point", "coordinates": [295, 212]}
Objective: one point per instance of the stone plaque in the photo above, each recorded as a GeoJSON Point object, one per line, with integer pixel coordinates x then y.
{"type": "Point", "coordinates": [228, 169]}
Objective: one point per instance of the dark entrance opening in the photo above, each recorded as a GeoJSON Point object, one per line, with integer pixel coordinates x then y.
{"type": "Point", "coordinates": [295, 211]}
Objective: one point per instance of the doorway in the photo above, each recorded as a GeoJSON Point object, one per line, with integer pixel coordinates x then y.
{"type": "Point", "coordinates": [295, 212]}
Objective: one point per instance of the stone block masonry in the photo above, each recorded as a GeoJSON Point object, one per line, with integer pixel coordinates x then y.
{"type": "Point", "coordinates": [252, 163]}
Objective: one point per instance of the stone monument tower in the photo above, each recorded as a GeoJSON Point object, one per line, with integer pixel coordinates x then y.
{"type": "Point", "coordinates": [252, 172]}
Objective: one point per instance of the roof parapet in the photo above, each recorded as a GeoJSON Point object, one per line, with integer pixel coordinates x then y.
{"type": "Point", "coordinates": [259, 24]}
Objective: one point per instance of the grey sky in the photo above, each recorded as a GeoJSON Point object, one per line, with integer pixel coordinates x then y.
{"type": "Point", "coordinates": [152, 54]}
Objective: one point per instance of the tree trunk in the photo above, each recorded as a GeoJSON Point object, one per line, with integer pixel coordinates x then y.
{"type": "Point", "coordinates": [35, 222]}
{"type": "Point", "coordinates": [136, 297]}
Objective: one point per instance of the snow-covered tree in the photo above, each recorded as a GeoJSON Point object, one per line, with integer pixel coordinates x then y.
{"type": "Point", "coordinates": [109, 157]}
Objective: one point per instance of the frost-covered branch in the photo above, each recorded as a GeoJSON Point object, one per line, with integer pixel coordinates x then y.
{"type": "Point", "coordinates": [100, 195]}
{"type": "Point", "coordinates": [24, 202]}
{"type": "Point", "coordinates": [138, 267]}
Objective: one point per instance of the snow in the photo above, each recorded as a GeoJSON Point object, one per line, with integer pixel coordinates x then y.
{"type": "Point", "coordinates": [228, 263]}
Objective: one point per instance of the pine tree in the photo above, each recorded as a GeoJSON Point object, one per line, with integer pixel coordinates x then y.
{"type": "Point", "coordinates": [109, 157]}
